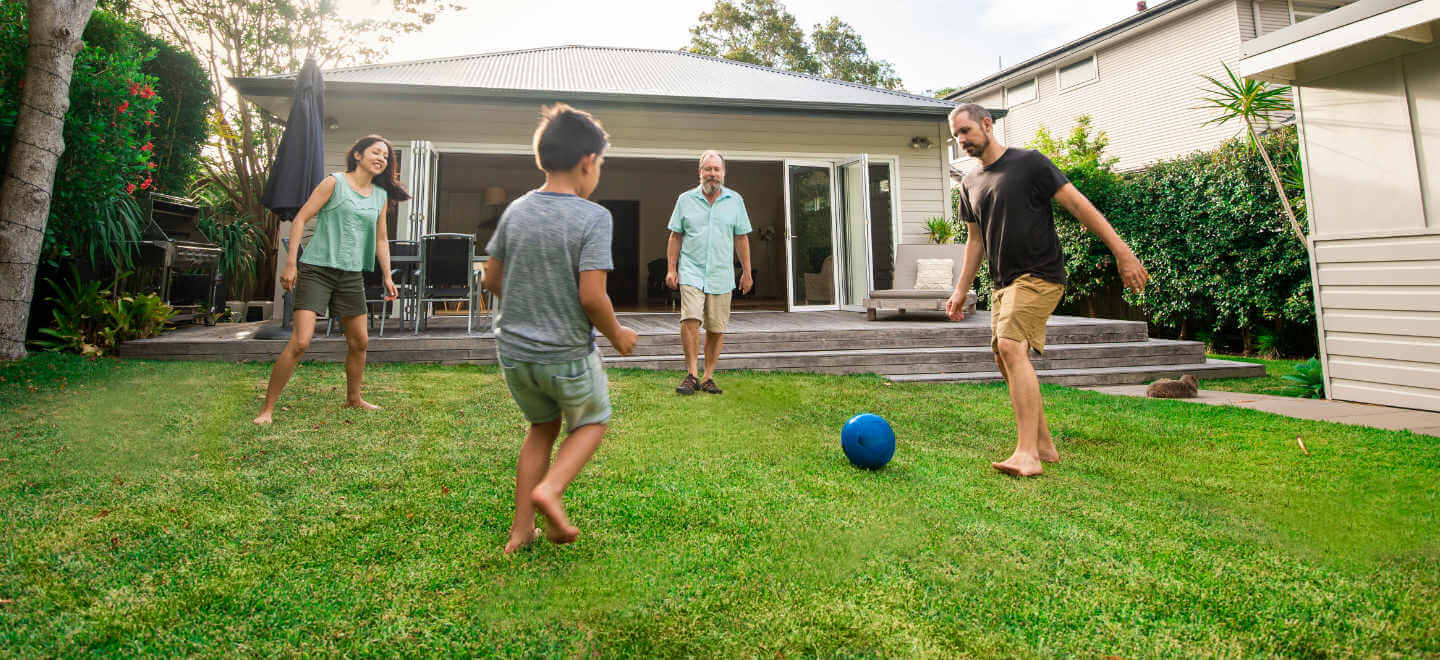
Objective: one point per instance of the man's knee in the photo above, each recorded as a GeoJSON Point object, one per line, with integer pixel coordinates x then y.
{"type": "Point", "coordinates": [1009, 351]}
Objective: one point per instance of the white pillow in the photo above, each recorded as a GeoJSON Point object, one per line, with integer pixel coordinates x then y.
{"type": "Point", "coordinates": [934, 273]}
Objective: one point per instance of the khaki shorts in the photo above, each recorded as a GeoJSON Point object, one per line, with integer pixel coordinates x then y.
{"type": "Point", "coordinates": [578, 389]}
{"type": "Point", "coordinates": [321, 288]}
{"type": "Point", "coordinates": [711, 308]}
{"type": "Point", "coordinates": [1019, 311]}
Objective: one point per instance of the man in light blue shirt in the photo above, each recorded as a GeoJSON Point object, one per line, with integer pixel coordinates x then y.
{"type": "Point", "coordinates": [708, 230]}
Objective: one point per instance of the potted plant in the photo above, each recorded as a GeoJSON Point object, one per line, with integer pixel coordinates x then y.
{"type": "Point", "coordinates": [939, 231]}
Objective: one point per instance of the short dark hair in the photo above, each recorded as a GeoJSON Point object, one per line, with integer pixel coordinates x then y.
{"type": "Point", "coordinates": [975, 111]}
{"type": "Point", "coordinates": [565, 136]}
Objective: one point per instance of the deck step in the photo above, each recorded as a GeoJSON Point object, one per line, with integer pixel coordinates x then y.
{"type": "Point", "coordinates": [1114, 375]}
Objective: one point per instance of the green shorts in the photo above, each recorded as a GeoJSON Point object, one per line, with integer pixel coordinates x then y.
{"type": "Point", "coordinates": [321, 288]}
{"type": "Point", "coordinates": [578, 389]}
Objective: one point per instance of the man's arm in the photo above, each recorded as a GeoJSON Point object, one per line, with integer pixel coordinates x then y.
{"type": "Point", "coordinates": [974, 253]}
{"type": "Point", "coordinates": [672, 259]}
{"type": "Point", "coordinates": [1132, 272]}
{"type": "Point", "coordinates": [742, 250]}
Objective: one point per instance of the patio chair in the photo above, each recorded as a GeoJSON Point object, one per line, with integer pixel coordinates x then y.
{"type": "Point", "coordinates": [656, 292]}
{"type": "Point", "coordinates": [405, 276]}
{"type": "Point", "coordinates": [446, 275]}
{"type": "Point", "coordinates": [927, 294]}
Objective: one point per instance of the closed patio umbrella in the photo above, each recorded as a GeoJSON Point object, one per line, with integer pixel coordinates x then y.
{"type": "Point", "coordinates": [299, 164]}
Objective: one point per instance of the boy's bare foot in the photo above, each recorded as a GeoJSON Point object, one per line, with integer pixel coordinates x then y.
{"type": "Point", "coordinates": [361, 404]}
{"type": "Point", "coordinates": [520, 540]}
{"type": "Point", "coordinates": [557, 527]}
{"type": "Point", "coordinates": [1020, 465]}
{"type": "Point", "coordinates": [264, 418]}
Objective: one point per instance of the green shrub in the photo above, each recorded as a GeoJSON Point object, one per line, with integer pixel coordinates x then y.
{"type": "Point", "coordinates": [92, 320]}
{"type": "Point", "coordinates": [1308, 379]}
{"type": "Point", "coordinates": [939, 231]}
{"type": "Point", "coordinates": [242, 246]}
{"type": "Point", "coordinates": [108, 147]}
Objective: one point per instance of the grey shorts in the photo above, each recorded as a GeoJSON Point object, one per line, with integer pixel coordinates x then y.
{"type": "Point", "coordinates": [578, 389]}
{"type": "Point", "coordinates": [321, 288]}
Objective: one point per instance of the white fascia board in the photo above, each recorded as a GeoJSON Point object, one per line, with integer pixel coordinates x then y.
{"type": "Point", "coordinates": [1278, 65]}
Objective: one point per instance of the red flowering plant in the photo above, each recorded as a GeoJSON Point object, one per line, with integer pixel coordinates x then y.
{"type": "Point", "coordinates": [92, 211]}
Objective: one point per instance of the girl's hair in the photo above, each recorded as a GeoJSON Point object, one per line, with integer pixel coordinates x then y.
{"type": "Point", "coordinates": [387, 179]}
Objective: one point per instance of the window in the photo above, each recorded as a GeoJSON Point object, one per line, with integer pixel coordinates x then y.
{"type": "Point", "coordinates": [1024, 92]}
{"type": "Point", "coordinates": [955, 152]}
{"type": "Point", "coordinates": [1305, 9]}
{"type": "Point", "coordinates": [1077, 73]}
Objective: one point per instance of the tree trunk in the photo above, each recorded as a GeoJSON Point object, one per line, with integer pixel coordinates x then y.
{"type": "Point", "coordinates": [55, 29]}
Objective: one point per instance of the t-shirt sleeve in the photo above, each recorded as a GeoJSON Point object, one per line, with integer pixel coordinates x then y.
{"type": "Point", "coordinates": [742, 220]}
{"type": "Point", "coordinates": [496, 247]}
{"type": "Point", "coordinates": [677, 220]}
{"type": "Point", "coordinates": [1048, 177]}
{"type": "Point", "coordinates": [595, 248]}
{"type": "Point", "coordinates": [967, 214]}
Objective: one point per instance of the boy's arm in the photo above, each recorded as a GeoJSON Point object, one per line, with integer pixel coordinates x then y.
{"type": "Point", "coordinates": [1132, 272]}
{"type": "Point", "coordinates": [494, 275]}
{"type": "Point", "coordinates": [596, 303]}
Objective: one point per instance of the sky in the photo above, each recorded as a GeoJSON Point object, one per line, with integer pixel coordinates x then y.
{"type": "Point", "coordinates": [932, 43]}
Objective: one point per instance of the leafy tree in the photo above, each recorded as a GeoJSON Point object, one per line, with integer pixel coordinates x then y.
{"type": "Point", "coordinates": [843, 56]}
{"type": "Point", "coordinates": [764, 32]}
{"type": "Point", "coordinates": [755, 31]}
{"type": "Point", "coordinates": [265, 37]}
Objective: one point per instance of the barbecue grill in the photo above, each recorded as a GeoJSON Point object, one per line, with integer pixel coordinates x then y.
{"type": "Point", "coordinates": [176, 258]}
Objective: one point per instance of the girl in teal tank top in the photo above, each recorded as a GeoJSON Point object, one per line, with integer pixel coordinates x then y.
{"type": "Point", "coordinates": [350, 237]}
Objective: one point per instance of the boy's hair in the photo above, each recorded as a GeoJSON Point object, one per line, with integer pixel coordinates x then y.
{"type": "Point", "coordinates": [565, 136]}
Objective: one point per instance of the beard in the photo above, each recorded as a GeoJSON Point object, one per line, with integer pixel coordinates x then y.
{"type": "Point", "coordinates": [709, 187]}
{"type": "Point", "coordinates": [976, 149]}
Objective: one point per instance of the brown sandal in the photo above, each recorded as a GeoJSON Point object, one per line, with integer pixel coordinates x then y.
{"type": "Point", "coordinates": [709, 387]}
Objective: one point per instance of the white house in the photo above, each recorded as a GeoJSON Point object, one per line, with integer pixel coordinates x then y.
{"type": "Point", "coordinates": [1367, 85]}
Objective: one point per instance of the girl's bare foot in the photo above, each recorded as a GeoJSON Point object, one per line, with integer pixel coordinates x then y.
{"type": "Point", "coordinates": [557, 527]}
{"type": "Point", "coordinates": [519, 540]}
{"type": "Point", "coordinates": [1020, 465]}
{"type": "Point", "coordinates": [361, 404]}
{"type": "Point", "coordinates": [264, 417]}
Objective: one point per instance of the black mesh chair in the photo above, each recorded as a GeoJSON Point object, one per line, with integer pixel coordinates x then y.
{"type": "Point", "coordinates": [446, 275]}
{"type": "Point", "coordinates": [405, 276]}
{"type": "Point", "coordinates": [656, 292]}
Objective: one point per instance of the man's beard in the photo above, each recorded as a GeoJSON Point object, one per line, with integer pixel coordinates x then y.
{"type": "Point", "coordinates": [709, 187]}
{"type": "Point", "coordinates": [979, 148]}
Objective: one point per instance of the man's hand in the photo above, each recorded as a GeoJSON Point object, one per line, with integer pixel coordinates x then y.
{"type": "Point", "coordinates": [746, 282]}
{"type": "Point", "coordinates": [1132, 272]}
{"type": "Point", "coordinates": [287, 277]}
{"type": "Point", "coordinates": [624, 342]}
{"type": "Point", "coordinates": [672, 279]}
{"type": "Point", "coordinates": [391, 292]}
{"type": "Point", "coordinates": [955, 306]}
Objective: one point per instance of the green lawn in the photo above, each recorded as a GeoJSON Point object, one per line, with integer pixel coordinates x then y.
{"type": "Point", "coordinates": [141, 513]}
{"type": "Point", "coordinates": [1270, 383]}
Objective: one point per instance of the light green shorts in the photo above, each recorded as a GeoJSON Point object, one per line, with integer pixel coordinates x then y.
{"type": "Point", "coordinates": [578, 389]}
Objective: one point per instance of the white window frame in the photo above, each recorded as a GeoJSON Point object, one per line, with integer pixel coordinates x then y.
{"type": "Point", "coordinates": [1059, 82]}
{"type": "Point", "coordinates": [1035, 82]}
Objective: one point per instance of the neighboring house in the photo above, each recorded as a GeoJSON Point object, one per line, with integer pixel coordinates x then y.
{"type": "Point", "coordinates": [1367, 83]}
{"type": "Point", "coordinates": [831, 171]}
{"type": "Point", "coordinates": [1138, 78]}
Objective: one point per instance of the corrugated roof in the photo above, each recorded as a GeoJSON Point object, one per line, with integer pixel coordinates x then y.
{"type": "Point", "coordinates": [620, 74]}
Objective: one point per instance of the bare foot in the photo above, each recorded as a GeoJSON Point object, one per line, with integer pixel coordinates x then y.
{"type": "Point", "coordinates": [1020, 465]}
{"type": "Point", "coordinates": [1049, 455]}
{"type": "Point", "coordinates": [264, 418]}
{"type": "Point", "coordinates": [362, 404]}
{"type": "Point", "coordinates": [557, 527]}
{"type": "Point", "coordinates": [520, 540]}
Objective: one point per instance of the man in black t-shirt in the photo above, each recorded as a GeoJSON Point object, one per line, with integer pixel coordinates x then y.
{"type": "Point", "coordinates": [1005, 203]}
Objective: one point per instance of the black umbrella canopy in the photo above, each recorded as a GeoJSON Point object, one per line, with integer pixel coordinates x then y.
{"type": "Point", "coordinates": [300, 162]}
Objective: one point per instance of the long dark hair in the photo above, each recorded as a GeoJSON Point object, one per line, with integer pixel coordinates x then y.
{"type": "Point", "coordinates": [386, 180]}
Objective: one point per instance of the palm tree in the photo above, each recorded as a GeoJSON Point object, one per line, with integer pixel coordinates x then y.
{"type": "Point", "coordinates": [1255, 102]}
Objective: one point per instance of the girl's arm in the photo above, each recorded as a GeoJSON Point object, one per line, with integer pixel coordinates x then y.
{"type": "Point", "coordinates": [317, 201]}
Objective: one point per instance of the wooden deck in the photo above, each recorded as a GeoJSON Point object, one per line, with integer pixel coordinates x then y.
{"type": "Point", "coordinates": [916, 347]}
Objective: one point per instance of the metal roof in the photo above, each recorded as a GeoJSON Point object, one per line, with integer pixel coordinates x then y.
{"type": "Point", "coordinates": [612, 74]}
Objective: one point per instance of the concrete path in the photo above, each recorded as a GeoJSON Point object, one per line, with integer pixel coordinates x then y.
{"type": "Point", "coordinates": [1360, 414]}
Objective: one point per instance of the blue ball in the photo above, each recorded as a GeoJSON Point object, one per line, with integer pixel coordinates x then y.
{"type": "Point", "coordinates": [868, 441]}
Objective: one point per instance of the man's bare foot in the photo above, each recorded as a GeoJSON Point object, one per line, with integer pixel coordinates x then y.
{"type": "Point", "coordinates": [361, 404]}
{"type": "Point", "coordinates": [520, 540]}
{"type": "Point", "coordinates": [264, 417]}
{"type": "Point", "coordinates": [1020, 465]}
{"type": "Point", "coordinates": [557, 527]}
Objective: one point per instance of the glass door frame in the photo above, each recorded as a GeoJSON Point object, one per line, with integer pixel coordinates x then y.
{"type": "Point", "coordinates": [842, 263]}
{"type": "Point", "coordinates": [836, 258]}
